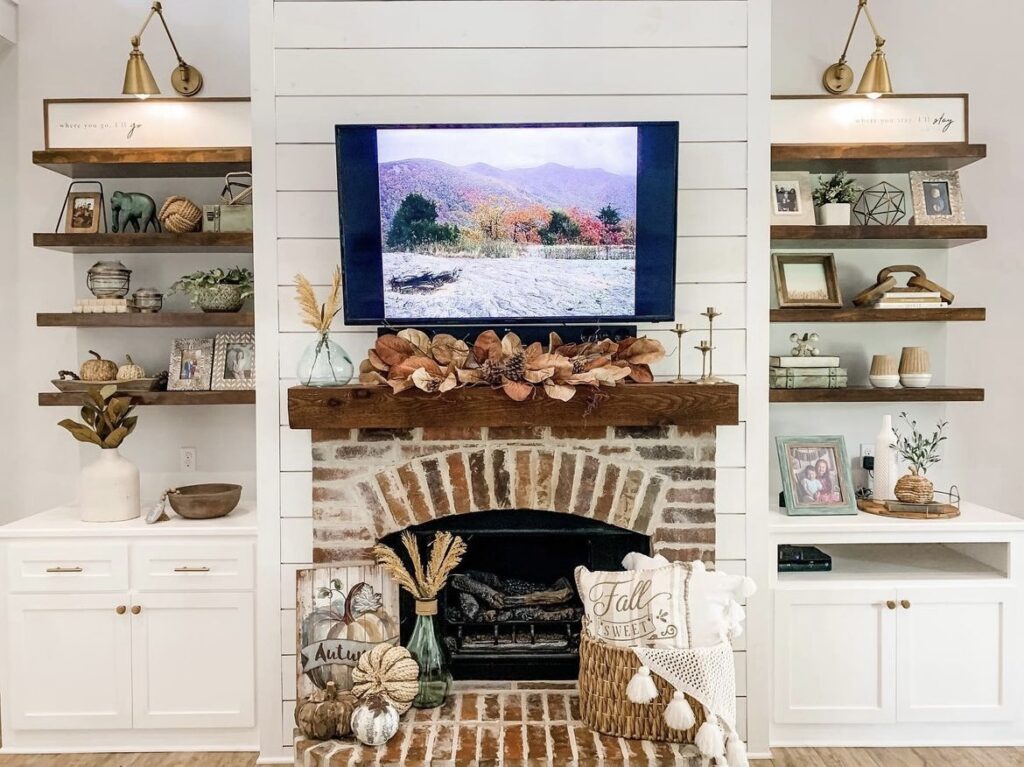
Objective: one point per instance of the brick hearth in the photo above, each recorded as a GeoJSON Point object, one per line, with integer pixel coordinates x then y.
{"type": "Point", "coordinates": [500, 724]}
{"type": "Point", "coordinates": [655, 480]}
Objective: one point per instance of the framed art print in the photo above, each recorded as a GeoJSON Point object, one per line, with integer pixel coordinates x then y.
{"type": "Point", "coordinates": [791, 199]}
{"type": "Point", "coordinates": [234, 362]}
{"type": "Point", "coordinates": [816, 476]}
{"type": "Point", "coordinates": [191, 365]}
{"type": "Point", "coordinates": [806, 279]}
{"type": "Point", "coordinates": [937, 198]}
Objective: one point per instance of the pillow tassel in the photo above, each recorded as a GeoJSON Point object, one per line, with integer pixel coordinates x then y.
{"type": "Point", "coordinates": [736, 752]}
{"type": "Point", "coordinates": [709, 739]}
{"type": "Point", "coordinates": [678, 714]}
{"type": "Point", "coordinates": [641, 687]}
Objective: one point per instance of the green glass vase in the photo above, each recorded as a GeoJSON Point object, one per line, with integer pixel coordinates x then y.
{"type": "Point", "coordinates": [426, 647]}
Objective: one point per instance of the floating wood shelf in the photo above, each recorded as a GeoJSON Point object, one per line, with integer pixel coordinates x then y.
{"type": "Point", "coordinates": [870, 394]}
{"type": "Point", "coordinates": [157, 320]}
{"type": "Point", "coordinates": [853, 314]}
{"type": "Point", "coordinates": [656, 404]}
{"type": "Point", "coordinates": [144, 163]}
{"type": "Point", "coordinates": [130, 242]}
{"type": "Point", "coordinates": [875, 158]}
{"type": "Point", "coordinates": [938, 236]}
{"type": "Point", "coordinates": [174, 398]}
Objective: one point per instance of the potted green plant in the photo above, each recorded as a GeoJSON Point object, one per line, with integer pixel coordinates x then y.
{"type": "Point", "coordinates": [919, 452]}
{"type": "Point", "coordinates": [834, 198]}
{"type": "Point", "coordinates": [109, 487]}
{"type": "Point", "coordinates": [217, 290]}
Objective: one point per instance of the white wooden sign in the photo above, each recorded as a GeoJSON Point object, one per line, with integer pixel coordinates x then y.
{"type": "Point", "coordinates": [860, 120]}
{"type": "Point", "coordinates": [150, 124]}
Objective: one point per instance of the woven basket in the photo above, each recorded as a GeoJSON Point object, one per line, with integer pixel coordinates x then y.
{"type": "Point", "coordinates": [913, 488]}
{"type": "Point", "coordinates": [180, 215]}
{"type": "Point", "coordinates": [605, 670]}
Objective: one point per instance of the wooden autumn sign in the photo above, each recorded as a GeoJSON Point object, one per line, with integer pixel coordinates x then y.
{"type": "Point", "coordinates": [341, 613]}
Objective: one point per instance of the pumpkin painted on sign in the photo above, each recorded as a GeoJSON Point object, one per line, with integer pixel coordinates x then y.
{"type": "Point", "coordinates": [339, 631]}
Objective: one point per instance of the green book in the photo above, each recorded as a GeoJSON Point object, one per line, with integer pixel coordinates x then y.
{"type": "Point", "coordinates": [807, 378]}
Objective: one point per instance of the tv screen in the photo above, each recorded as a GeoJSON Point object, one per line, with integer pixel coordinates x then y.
{"type": "Point", "coordinates": [468, 224]}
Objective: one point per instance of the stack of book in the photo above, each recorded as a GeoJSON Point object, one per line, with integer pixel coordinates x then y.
{"type": "Point", "coordinates": [806, 373]}
{"type": "Point", "coordinates": [918, 299]}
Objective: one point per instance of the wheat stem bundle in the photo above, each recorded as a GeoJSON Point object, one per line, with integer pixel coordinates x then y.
{"type": "Point", "coordinates": [318, 316]}
{"type": "Point", "coordinates": [446, 551]}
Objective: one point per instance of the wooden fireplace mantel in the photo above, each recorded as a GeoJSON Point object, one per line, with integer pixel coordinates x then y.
{"type": "Point", "coordinates": [657, 404]}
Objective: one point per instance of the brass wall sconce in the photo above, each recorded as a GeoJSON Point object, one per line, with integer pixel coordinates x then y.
{"type": "Point", "coordinates": [875, 82]}
{"type": "Point", "coordinates": [138, 77]}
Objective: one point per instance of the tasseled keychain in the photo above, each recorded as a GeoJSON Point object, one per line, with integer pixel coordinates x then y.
{"type": "Point", "coordinates": [641, 687]}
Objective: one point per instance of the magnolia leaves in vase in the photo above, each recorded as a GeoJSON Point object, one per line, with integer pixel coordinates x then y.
{"type": "Point", "coordinates": [107, 420]}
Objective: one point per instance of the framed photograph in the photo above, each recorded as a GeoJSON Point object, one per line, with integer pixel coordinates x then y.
{"type": "Point", "coordinates": [806, 279]}
{"type": "Point", "coordinates": [937, 198]}
{"type": "Point", "coordinates": [816, 476]}
{"type": "Point", "coordinates": [234, 361]}
{"type": "Point", "coordinates": [191, 365]}
{"type": "Point", "coordinates": [83, 213]}
{"type": "Point", "coordinates": [791, 199]}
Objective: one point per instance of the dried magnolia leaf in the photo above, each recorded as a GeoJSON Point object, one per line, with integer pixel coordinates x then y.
{"type": "Point", "coordinates": [559, 391]}
{"type": "Point", "coordinates": [399, 385]}
{"type": "Point", "coordinates": [374, 359]}
{"type": "Point", "coordinates": [511, 344]}
{"type": "Point", "coordinates": [448, 350]}
{"type": "Point", "coordinates": [608, 375]}
{"type": "Point", "coordinates": [641, 373]}
{"type": "Point", "coordinates": [449, 382]}
{"type": "Point", "coordinates": [643, 351]}
{"type": "Point", "coordinates": [371, 378]}
{"type": "Point", "coordinates": [411, 365]}
{"type": "Point", "coordinates": [487, 347]}
{"type": "Point", "coordinates": [517, 390]}
{"type": "Point", "coordinates": [538, 375]}
{"type": "Point", "coordinates": [469, 376]}
{"type": "Point", "coordinates": [392, 349]}
{"type": "Point", "coordinates": [418, 339]}
{"type": "Point", "coordinates": [554, 341]}
{"type": "Point", "coordinates": [423, 380]}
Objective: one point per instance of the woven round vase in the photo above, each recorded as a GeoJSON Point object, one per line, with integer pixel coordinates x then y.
{"type": "Point", "coordinates": [913, 488]}
{"type": "Point", "coordinates": [915, 367]}
{"type": "Point", "coordinates": [885, 371]}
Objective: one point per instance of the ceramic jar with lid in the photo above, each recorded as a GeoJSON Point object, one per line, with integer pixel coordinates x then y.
{"type": "Point", "coordinates": [109, 279]}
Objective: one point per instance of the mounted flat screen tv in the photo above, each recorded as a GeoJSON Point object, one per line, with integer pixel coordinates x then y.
{"type": "Point", "coordinates": [539, 223]}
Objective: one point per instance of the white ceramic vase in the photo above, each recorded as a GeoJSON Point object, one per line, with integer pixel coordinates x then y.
{"type": "Point", "coordinates": [109, 489]}
{"type": "Point", "coordinates": [835, 214]}
{"type": "Point", "coordinates": [886, 468]}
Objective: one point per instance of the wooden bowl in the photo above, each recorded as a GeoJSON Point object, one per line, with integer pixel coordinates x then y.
{"type": "Point", "coordinates": [205, 501]}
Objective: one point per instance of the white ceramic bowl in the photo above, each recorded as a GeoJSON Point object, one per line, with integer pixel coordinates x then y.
{"type": "Point", "coordinates": [884, 381]}
{"type": "Point", "coordinates": [916, 380]}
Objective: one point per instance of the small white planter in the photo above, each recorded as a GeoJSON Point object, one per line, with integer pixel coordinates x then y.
{"type": "Point", "coordinates": [109, 490]}
{"type": "Point", "coordinates": [835, 214]}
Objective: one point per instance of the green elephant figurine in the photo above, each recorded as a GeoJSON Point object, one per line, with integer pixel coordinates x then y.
{"type": "Point", "coordinates": [133, 208]}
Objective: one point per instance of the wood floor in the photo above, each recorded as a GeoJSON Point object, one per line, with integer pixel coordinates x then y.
{"type": "Point", "coordinates": [783, 757]}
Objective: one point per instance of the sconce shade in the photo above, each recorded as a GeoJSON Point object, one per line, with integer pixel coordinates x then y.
{"type": "Point", "coordinates": [138, 78]}
{"type": "Point", "coordinates": [875, 81]}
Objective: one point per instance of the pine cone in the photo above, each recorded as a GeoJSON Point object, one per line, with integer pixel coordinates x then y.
{"type": "Point", "coordinates": [515, 366]}
{"type": "Point", "coordinates": [492, 373]}
{"type": "Point", "coordinates": [579, 365]}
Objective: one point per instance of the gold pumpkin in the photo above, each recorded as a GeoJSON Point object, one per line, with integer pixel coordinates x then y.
{"type": "Point", "coordinates": [388, 671]}
{"type": "Point", "coordinates": [98, 369]}
{"type": "Point", "coordinates": [130, 371]}
{"type": "Point", "coordinates": [326, 714]}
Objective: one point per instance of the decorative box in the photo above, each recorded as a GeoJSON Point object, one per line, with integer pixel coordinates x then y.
{"type": "Point", "coordinates": [807, 378]}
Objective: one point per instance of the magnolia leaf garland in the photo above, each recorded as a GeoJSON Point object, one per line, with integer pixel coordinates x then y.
{"type": "Point", "coordinates": [411, 359]}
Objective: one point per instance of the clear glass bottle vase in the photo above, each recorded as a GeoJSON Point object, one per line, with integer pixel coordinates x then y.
{"type": "Point", "coordinates": [324, 363]}
{"type": "Point", "coordinates": [426, 647]}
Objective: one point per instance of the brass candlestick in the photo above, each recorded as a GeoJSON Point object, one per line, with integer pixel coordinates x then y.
{"type": "Point", "coordinates": [708, 377]}
{"type": "Point", "coordinates": [680, 330]}
{"type": "Point", "coordinates": [704, 348]}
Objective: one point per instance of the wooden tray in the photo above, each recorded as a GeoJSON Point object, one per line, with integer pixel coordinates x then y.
{"type": "Point", "coordinates": [76, 387]}
{"type": "Point", "coordinates": [946, 511]}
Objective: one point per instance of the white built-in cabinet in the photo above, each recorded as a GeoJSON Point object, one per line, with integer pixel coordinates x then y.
{"type": "Point", "coordinates": [128, 637]}
{"type": "Point", "coordinates": [912, 638]}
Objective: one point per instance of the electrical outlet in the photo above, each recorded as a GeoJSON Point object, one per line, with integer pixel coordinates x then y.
{"type": "Point", "coordinates": [867, 451]}
{"type": "Point", "coordinates": [188, 459]}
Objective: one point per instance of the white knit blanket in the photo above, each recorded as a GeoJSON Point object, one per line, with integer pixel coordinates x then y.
{"type": "Point", "coordinates": [706, 674]}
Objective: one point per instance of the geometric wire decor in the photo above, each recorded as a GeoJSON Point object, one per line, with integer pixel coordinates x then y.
{"type": "Point", "coordinates": [882, 204]}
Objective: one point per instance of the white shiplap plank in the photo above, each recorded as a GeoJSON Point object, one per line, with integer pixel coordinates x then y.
{"type": "Point", "coordinates": [711, 259]}
{"type": "Point", "coordinates": [316, 259]}
{"type": "Point", "coordinates": [482, 72]}
{"type": "Point", "coordinates": [296, 450]}
{"type": "Point", "coordinates": [731, 536]}
{"type": "Point", "coordinates": [730, 491]}
{"type": "Point", "coordinates": [731, 447]}
{"type": "Point", "coordinates": [296, 540]}
{"type": "Point", "coordinates": [727, 297]}
{"type": "Point", "coordinates": [307, 214]}
{"type": "Point", "coordinates": [528, 24]}
{"type": "Point", "coordinates": [288, 675]}
{"type": "Point", "coordinates": [308, 119]}
{"type": "Point", "coordinates": [288, 638]}
{"type": "Point", "coordinates": [702, 165]}
{"type": "Point", "coordinates": [296, 494]}
{"type": "Point", "coordinates": [288, 575]}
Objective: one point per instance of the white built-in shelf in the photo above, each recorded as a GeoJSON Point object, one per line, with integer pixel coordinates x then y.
{"type": "Point", "coordinates": [64, 521]}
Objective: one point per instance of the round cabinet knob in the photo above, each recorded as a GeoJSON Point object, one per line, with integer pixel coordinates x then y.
{"type": "Point", "coordinates": [905, 604]}
{"type": "Point", "coordinates": [136, 609]}
{"type": "Point", "coordinates": [890, 604]}
{"type": "Point", "coordinates": [120, 609]}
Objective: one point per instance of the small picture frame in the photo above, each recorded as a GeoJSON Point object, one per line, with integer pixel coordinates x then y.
{"type": "Point", "coordinates": [84, 211]}
{"type": "Point", "coordinates": [806, 279]}
{"type": "Point", "coordinates": [234, 362]}
{"type": "Point", "coordinates": [816, 476]}
{"type": "Point", "coordinates": [191, 365]}
{"type": "Point", "coordinates": [791, 199]}
{"type": "Point", "coordinates": [937, 197]}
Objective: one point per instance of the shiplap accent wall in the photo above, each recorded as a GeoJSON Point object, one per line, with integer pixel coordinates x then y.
{"type": "Point", "coordinates": [367, 61]}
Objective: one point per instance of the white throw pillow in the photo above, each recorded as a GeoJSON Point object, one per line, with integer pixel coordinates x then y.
{"type": "Point", "coordinates": [636, 607]}
{"type": "Point", "coordinates": [714, 605]}
{"type": "Point", "coordinates": [637, 561]}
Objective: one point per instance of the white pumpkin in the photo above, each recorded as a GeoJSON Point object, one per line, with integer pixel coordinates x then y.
{"type": "Point", "coordinates": [130, 371]}
{"type": "Point", "coordinates": [375, 721]}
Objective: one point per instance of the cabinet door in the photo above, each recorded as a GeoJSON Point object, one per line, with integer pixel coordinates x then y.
{"type": "Point", "coordinates": [955, 654]}
{"type": "Point", "coordinates": [70, 662]}
{"type": "Point", "coordinates": [835, 656]}
{"type": "Point", "coordinates": [192, 660]}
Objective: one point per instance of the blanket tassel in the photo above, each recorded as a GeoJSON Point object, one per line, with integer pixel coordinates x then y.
{"type": "Point", "coordinates": [678, 714]}
{"type": "Point", "coordinates": [641, 687]}
{"type": "Point", "coordinates": [736, 752]}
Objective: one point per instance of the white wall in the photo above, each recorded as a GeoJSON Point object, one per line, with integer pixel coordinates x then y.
{"type": "Point", "coordinates": [487, 60]}
{"type": "Point", "coordinates": [8, 22]}
{"type": "Point", "coordinates": [984, 445]}
{"type": "Point", "coordinates": [79, 50]}
{"type": "Point", "coordinates": [9, 110]}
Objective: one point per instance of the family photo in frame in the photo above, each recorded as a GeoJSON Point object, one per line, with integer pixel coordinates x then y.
{"type": "Point", "coordinates": [816, 476]}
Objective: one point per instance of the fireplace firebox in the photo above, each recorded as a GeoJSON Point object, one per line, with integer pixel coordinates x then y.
{"type": "Point", "coordinates": [511, 611]}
